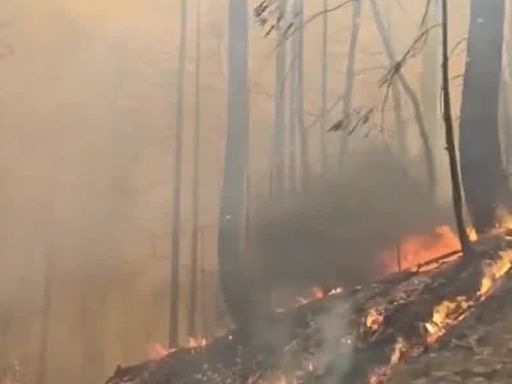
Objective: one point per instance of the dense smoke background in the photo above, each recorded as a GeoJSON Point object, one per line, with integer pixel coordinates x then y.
{"type": "Point", "coordinates": [86, 145]}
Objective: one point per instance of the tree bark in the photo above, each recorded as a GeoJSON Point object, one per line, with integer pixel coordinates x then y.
{"type": "Point", "coordinates": [232, 222]}
{"type": "Point", "coordinates": [483, 176]}
{"type": "Point", "coordinates": [176, 217]}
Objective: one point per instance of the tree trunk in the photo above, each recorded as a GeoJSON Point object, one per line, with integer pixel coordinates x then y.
{"type": "Point", "coordinates": [299, 108]}
{"type": "Point", "coordinates": [192, 316]}
{"type": "Point", "coordinates": [350, 74]}
{"type": "Point", "coordinates": [409, 92]}
{"type": "Point", "coordinates": [45, 323]}
{"type": "Point", "coordinates": [506, 105]}
{"type": "Point", "coordinates": [396, 97]}
{"type": "Point", "coordinates": [279, 109]}
{"type": "Point", "coordinates": [506, 116]}
{"type": "Point", "coordinates": [231, 227]}
{"type": "Point", "coordinates": [430, 86]}
{"type": "Point", "coordinates": [483, 176]}
{"type": "Point", "coordinates": [176, 217]}
{"type": "Point", "coordinates": [450, 141]}
{"type": "Point", "coordinates": [324, 121]}
{"type": "Point", "coordinates": [291, 148]}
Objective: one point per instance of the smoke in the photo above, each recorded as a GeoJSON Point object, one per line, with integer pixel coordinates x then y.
{"type": "Point", "coordinates": [333, 357]}
{"type": "Point", "coordinates": [336, 231]}
{"type": "Point", "coordinates": [323, 350]}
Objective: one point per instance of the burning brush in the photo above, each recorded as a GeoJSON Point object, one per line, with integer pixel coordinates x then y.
{"type": "Point", "coordinates": [355, 336]}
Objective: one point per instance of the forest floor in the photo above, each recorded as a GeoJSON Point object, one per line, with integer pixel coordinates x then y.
{"type": "Point", "coordinates": [479, 351]}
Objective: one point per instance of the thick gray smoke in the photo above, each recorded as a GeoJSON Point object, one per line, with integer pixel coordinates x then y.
{"type": "Point", "coordinates": [336, 231]}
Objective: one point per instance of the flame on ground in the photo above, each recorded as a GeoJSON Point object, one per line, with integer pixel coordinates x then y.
{"type": "Point", "coordinates": [450, 312]}
{"type": "Point", "coordinates": [315, 293]}
{"type": "Point", "coordinates": [157, 351]}
{"type": "Point", "coordinates": [417, 249]}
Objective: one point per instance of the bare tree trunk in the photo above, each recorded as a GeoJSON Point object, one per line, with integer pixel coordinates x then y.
{"type": "Point", "coordinates": [192, 316]}
{"type": "Point", "coordinates": [324, 121]}
{"type": "Point", "coordinates": [232, 222]}
{"type": "Point", "coordinates": [45, 323]}
{"type": "Point", "coordinates": [450, 141]}
{"type": "Point", "coordinates": [301, 125]}
{"type": "Point", "coordinates": [430, 85]}
{"type": "Point", "coordinates": [176, 218]}
{"type": "Point", "coordinates": [350, 74]}
{"type": "Point", "coordinates": [506, 106]}
{"type": "Point", "coordinates": [278, 152]}
{"type": "Point", "coordinates": [291, 148]}
{"type": "Point", "coordinates": [506, 112]}
{"type": "Point", "coordinates": [483, 176]}
{"type": "Point", "coordinates": [409, 92]}
{"type": "Point", "coordinates": [396, 95]}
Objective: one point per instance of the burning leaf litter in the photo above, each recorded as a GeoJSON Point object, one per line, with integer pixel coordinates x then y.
{"type": "Point", "coordinates": [387, 328]}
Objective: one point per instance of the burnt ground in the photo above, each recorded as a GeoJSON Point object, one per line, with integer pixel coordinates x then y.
{"type": "Point", "coordinates": [479, 350]}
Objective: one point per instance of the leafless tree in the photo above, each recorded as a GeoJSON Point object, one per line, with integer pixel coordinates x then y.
{"type": "Point", "coordinates": [176, 217]}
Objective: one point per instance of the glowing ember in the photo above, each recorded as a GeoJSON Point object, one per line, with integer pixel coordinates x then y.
{"type": "Point", "coordinates": [374, 319]}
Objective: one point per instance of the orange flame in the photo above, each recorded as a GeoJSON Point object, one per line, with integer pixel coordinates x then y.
{"type": "Point", "coordinates": [157, 351]}
{"type": "Point", "coordinates": [417, 249]}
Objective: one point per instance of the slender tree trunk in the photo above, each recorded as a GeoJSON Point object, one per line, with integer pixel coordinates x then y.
{"type": "Point", "coordinates": [324, 121]}
{"type": "Point", "coordinates": [292, 115]}
{"type": "Point", "coordinates": [450, 140]}
{"type": "Point", "coordinates": [483, 176]}
{"type": "Point", "coordinates": [278, 162]}
{"type": "Point", "coordinates": [409, 92]}
{"type": "Point", "coordinates": [506, 105]}
{"type": "Point", "coordinates": [192, 316]}
{"type": "Point", "coordinates": [506, 113]}
{"type": "Point", "coordinates": [350, 74]}
{"type": "Point", "coordinates": [430, 85]}
{"type": "Point", "coordinates": [45, 323]}
{"type": "Point", "coordinates": [176, 218]}
{"type": "Point", "coordinates": [396, 95]}
{"type": "Point", "coordinates": [231, 227]}
{"type": "Point", "coordinates": [301, 125]}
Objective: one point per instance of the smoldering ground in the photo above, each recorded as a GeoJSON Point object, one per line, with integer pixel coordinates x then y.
{"type": "Point", "coordinates": [335, 232]}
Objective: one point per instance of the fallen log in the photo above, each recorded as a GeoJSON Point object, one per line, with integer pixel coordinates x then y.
{"type": "Point", "coordinates": [353, 337]}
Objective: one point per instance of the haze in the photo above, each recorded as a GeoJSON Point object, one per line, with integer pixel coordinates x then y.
{"type": "Point", "coordinates": [86, 147]}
